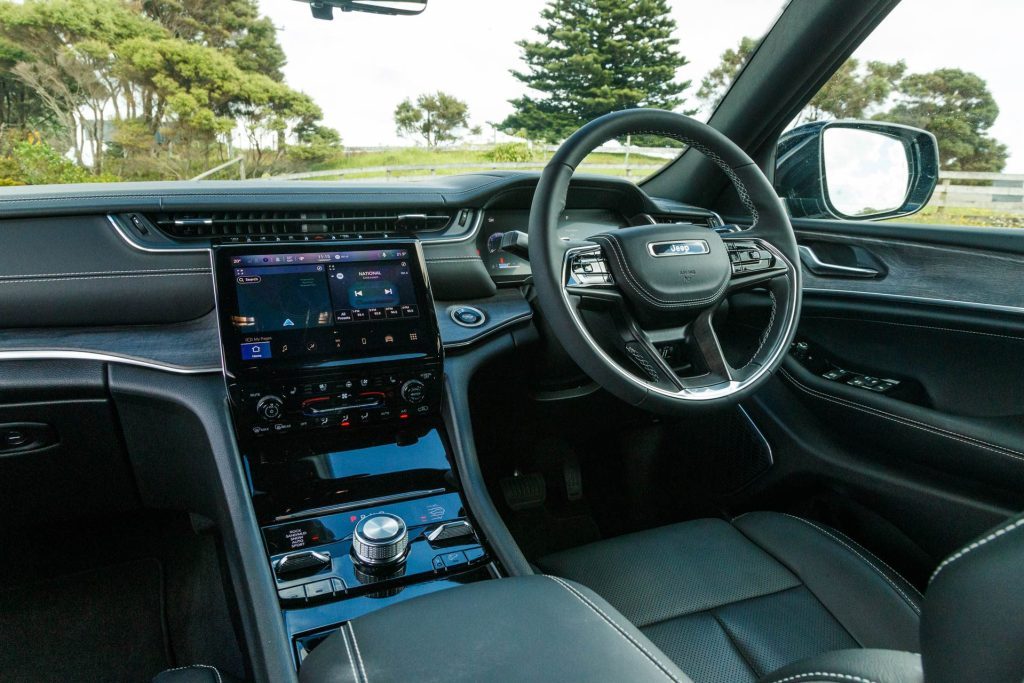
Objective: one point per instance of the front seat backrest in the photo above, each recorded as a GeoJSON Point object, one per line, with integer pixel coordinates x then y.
{"type": "Point", "coordinates": [972, 624]}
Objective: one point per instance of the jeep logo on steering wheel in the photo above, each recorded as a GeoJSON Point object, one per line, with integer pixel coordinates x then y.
{"type": "Point", "coordinates": [678, 248]}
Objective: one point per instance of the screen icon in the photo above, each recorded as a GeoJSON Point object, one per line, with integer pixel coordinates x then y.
{"type": "Point", "coordinates": [256, 351]}
{"type": "Point", "coordinates": [288, 323]}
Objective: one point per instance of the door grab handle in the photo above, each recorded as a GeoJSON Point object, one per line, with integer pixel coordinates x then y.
{"type": "Point", "coordinates": [819, 267]}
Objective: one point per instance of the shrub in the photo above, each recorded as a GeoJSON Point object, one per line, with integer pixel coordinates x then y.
{"type": "Point", "coordinates": [511, 152]}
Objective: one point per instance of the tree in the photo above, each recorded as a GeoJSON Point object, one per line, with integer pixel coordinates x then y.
{"type": "Point", "coordinates": [717, 81]}
{"type": "Point", "coordinates": [852, 91]}
{"type": "Point", "coordinates": [594, 57]}
{"type": "Point", "coordinates": [957, 107]}
{"type": "Point", "coordinates": [436, 117]}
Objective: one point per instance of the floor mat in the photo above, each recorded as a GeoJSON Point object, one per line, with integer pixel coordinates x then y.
{"type": "Point", "coordinates": [101, 625]}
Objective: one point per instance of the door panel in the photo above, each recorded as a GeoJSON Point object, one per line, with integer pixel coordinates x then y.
{"type": "Point", "coordinates": [945, 318]}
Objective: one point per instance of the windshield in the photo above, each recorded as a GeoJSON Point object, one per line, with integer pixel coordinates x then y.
{"type": "Point", "coordinates": [109, 90]}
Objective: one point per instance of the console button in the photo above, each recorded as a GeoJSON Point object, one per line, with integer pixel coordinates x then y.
{"type": "Point", "coordinates": [468, 316]}
{"type": "Point", "coordinates": [454, 559]}
{"type": "Point", "coordinates": [339, 586]}
{"type": "Point", "coordinates": [414, 391]}
{"type": "Point", "coordinates": [319, 589]}
{"type": "Point", "coordinates": [293, 594]}
{"type": "Point", "coordinates": [438, 564]}
{"type": "Point", "coordinates": [475, 554]}
{"type": "Point", "coordinates": [270, 407]}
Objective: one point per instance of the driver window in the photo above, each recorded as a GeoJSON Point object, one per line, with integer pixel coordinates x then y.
{"type": "Point", "coordinates": [905, 73]}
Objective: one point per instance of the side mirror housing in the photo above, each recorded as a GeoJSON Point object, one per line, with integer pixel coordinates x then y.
{"type": "Point", "coordinates": [856, 170]}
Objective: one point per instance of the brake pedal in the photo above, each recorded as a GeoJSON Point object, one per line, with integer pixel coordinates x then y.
{"type": "Point", "coordinates": [524, 491]}
{"type": "Point", "coordinates": [573, 479]}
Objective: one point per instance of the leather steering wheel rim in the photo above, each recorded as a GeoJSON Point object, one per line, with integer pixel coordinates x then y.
{"type": "Point", "coordinates": [771, 232]}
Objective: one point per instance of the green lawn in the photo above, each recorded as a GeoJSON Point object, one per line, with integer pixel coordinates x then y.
{"type": "Point", "coordinates": [973, 217]}
{"type": "Point", "coordinates": [473, 160]}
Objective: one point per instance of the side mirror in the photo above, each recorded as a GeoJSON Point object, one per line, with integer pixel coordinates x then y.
{"type": "Point", "coordinates": [856, 170]}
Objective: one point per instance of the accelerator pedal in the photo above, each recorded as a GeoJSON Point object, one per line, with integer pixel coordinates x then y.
{"type": "Point", "coordinates": [573, 478]}
{"type": "Point", "coordinates": [524, 491]}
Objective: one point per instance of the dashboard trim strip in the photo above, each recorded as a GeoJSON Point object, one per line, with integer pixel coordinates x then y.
{"type": "Point", "coordinates": [72, 354]}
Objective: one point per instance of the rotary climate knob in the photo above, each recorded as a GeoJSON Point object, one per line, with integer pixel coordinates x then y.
{"type": "Point", "coordinates": [380, 539]}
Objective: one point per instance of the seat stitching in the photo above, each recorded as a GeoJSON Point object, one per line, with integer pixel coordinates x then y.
{"type": "Point", "coordinates": [1010, 526]}
{"type": "Point", "coordinates": [811, 674]}
{"type": "Point", "coordinates": [876, 558]}
{"type": "Point", "coordinates": [802, 584]}
{"type": "Point", "coordinates": [359, 655]}
{"type": "Point", "coordinates": [622, 632]}
{"type": "Point", "coordinates": [878, 571]}
{"type": "Point", "coordinates": [878, 412]}
{"type": "Point", "coordinates": [735, 644]}
{"type": "Point", "coordinates": [348, 652]}
{"type": "Point", "coordinates": [708, 610]}
{"type": "Point", "coordinates": [198, 666]}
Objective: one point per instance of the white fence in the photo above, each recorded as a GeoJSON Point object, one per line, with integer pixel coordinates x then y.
{"type": "Point", "coordinates": [994, 191]}
{"type": "Point", "coordinates": [991, 191]}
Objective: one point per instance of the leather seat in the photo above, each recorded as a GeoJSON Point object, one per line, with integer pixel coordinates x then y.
{"type": "Point", "coordinates": [733, 601]}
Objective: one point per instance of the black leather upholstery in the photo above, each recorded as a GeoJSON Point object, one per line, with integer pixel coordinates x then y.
{"type": "Point", "coordinates": [533, 628]}
{"type": "Point", "coordinates": [196, 673]}
{"type": "Point", "coordinates": [734, 602]}
{"type": "Point", "coordinates": [973, 624]}
{"type": "Point", "coordinates": [853, 666]}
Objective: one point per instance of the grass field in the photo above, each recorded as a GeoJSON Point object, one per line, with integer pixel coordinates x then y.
{"type": "Point", "coordinates": [973, 217]}
{"type": "Point", "coordinates": [468, 159]}
{"type": "Point", "coordinates": [640, 167]}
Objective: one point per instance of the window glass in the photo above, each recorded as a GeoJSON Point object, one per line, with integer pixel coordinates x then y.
{"type": "Point", "coordinates": [931, 64]}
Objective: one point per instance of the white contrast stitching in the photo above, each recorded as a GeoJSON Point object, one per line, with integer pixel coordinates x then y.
{"type": "Point", "coordinates": [876, 558]}
{"type": "Point", "coordinates": [141, 271]}
{"type": "Point", "coordinates": [974, 546]}
{"type": "Point", "coordinates": [198, 666]}
{"type": "Point", "coordinates": [811, 674]}
{"type": "Point", "coordinates": [96, 277]}
{"type": "Point", "coordinates": [923, 327]}
{"type": "Point", "coordinates": [359, 655]}
{"type": "Point", "coordinates": [767, 330]}
{"type": "Point", "coordinates": [348, 653]}
{"type": "Point", "coordinates": [878, 571]}
{"type": "Point", "coordinates": [878, 412]}
{"type": "Point", "coordinates": [589, 603]}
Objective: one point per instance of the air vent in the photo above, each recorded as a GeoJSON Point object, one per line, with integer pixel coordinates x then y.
{"type": "Point", "coordinates": [241, 226]}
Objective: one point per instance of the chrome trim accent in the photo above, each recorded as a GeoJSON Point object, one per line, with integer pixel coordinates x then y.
{"type": "Point", "coordinates": [451, 314]}
{"type": "Point", "coordinates": [811, 260]}
{"type": "Point", "coordinates": [759, 433]}
{"type": "Point", "coordinates": [281, 566]}
{"type": "Point", "coordinates": [70, 354]}
{"type": "Point", "coordinates": [123, 234]}
{"type": "Point", "coordinates": [695, 394]}
{"type": "Point", "coordinates": [466, 530]}
{"type": "Point", "coordinates": [685, 248]}
{"type": "Point", "coordinates": [356, 504]}
{"type": "Point", "coordinates": [127, 237]}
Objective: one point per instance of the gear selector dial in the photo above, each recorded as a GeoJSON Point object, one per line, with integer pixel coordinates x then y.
{"type": "Point", "coordinates": [380, 539]}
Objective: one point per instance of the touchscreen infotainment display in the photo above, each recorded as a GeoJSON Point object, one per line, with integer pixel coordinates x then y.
{"type": "Point", "coordinates": [297, 305]}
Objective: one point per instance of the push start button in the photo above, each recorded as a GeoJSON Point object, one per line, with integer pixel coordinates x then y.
{"type": "Point", "coordinates": [467, 316]}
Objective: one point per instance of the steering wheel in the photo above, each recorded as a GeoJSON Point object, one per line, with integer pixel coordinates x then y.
{"type": "Point", "coordinates": [644, 288]}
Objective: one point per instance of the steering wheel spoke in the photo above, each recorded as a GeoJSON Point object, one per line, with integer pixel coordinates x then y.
{"type": "Point", "coordinates": [753, 262]}
{"type": "Point", "coordinates": [705, 348]}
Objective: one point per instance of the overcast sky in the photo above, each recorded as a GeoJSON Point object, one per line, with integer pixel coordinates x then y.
{"type": "Point", "coordinates": [359, 66]}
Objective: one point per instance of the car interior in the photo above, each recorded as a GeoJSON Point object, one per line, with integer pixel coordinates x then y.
{"type": "Point", "coordinates": [517, 425]}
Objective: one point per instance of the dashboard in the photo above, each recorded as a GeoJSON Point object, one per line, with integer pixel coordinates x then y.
{"type": "Point", "coordinates": [508, 268]}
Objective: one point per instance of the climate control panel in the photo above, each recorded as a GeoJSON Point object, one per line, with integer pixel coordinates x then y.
{"type": "Point", "coordinates": [342, 401]}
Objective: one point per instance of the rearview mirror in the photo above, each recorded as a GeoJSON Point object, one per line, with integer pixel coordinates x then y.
{"type": "Point", "coordinates": [324, 9]}
{"type": "Point", "coordinates": [856, 170]}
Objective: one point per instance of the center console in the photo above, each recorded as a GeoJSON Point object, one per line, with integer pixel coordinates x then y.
{"type": "Point", "coordinates": [334, 365]}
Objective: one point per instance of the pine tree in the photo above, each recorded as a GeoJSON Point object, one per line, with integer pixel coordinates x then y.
{"type": "Point", "coordinates": [595, 57]}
